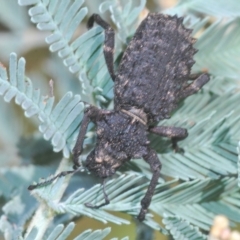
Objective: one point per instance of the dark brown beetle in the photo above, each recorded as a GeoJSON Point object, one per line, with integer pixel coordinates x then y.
{"type": "Point", "coordinates": [153, 76]}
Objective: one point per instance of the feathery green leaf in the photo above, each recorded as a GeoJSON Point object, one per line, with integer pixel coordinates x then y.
{"type": "Point", "coordinates": [182, 230]}
{"type": "Point", "coordinates": [218, 8]}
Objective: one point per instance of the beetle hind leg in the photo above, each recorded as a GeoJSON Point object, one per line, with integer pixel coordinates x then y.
{"type": "Point", "coordinates": [152, 159]}
{"type": "Point", "coordinates": [108, 48]}
{"type": "Point", "coordinates": [175, 133]}
{"type": "Point", "coordinates": [196, 85]}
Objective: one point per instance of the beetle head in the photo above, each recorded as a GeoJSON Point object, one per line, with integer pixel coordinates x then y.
{"type": "Point", "coordinates": [103, 161]}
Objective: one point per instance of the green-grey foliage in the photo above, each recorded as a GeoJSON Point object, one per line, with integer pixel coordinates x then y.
{"type": "Point", "coordinates": [213, 8]}
{"type": "Point", "coordinates": [61, 233]}
{"type": "Point", "coordinates": [123, 15]}
{"type": "Point", "coordinates": [182, 230]}
{"type": "Point", "coordinates": [59, 122]}
{"type": "Point", "coordinates": [194, 186]}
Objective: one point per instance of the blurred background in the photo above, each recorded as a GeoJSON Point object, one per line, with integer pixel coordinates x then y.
{"type": "Point", "coordinates": [19, 136]}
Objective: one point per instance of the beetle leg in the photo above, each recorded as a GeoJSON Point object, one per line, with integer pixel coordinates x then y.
{"type": "Point", "coordinates": [175, 133]}
{"type": "Point", "coordinates": [194, 76]}
{"type": "Point", "coordinates": [77, 150]}
{"type": "Point", "coordinates": [108, 49]}
{"type": "Point", "coordinates": [152, 159]}
{"type": "Point", "coordinates": [196, 85]}
{"type": "Point", "coordinates": [107, 201]}
{"type": "Point", "coordinates": [91, 114]}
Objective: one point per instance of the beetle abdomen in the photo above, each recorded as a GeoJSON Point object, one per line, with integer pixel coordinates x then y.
{"type": "Point", "coordinates": [155, 66]}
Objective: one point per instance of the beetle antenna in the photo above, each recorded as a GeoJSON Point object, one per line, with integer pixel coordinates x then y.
{"type": "Point", "coordinates": [47, 182]}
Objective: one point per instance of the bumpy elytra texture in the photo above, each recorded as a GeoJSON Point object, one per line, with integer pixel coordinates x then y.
{"type": "Point", "coordinates": [155, 67]}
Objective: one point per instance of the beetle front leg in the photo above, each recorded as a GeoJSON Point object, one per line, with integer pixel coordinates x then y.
{"type": "Point", "coordinates": [91, 114]}
{"type": "Point", "coordinates": [77, 150]}
{"type": "Point", "coordinates": [152, 159]}
{"type": "Point", "coordinates": [175, 133]}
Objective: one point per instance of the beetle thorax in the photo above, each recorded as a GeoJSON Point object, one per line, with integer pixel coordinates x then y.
{"type": "Point", "coordinates": [136, 114]}
{"type": "Point", "coordinates": [120, 137]}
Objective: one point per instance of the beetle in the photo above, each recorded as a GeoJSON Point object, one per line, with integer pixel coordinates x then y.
{"type": "Point", "coordinates": [154, 74]}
